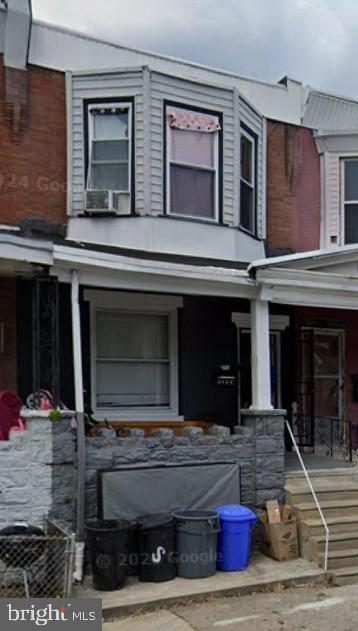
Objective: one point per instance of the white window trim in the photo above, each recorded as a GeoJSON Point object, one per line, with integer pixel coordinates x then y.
{"type": "Point", "coordinates": [343, 202]}
{"type": "Point", "coordinates": [146, 303]}
{"type": "Point", "coordinates": [252, 139]}
{"type": "Point", "coordinates": [110, 106]}
{"type": "Point", "coordinates": [215, 169]}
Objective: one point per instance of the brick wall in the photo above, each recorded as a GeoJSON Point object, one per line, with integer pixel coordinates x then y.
{"type": "Point", "coordinates": [33, 145]}
{"type": "Point", "coordinates": [293, 189]}
{"type": "Point", "coordinates": [8, 320]}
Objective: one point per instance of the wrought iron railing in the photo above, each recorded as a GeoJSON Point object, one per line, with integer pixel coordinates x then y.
{"type": "Point", "coordinates": [326, 435]}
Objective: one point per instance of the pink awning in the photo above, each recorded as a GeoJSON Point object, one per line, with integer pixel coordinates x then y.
{"type": "Point", "coordinates": [191, 121]}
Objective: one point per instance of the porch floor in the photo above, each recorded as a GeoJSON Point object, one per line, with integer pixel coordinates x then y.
{"type": "Point", "coordinates": [314, 462]}
{"type": "Point", "coordinates": [263, 574]}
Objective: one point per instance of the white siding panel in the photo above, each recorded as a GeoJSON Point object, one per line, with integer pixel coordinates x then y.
{"type": "Point", "coordinates": [121, 85]}
{"type": "Point", "coordinates": [255, 123]}
{"type": "Point", "coordinates": [208, 97]}
{"type": "Point", "coordinates": [150, 91]}
{"type": "Point", "coordinates": [333, 196]}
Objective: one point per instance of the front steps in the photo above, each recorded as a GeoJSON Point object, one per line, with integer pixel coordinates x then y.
{"type": "Point", "coordinates": [337, 492]}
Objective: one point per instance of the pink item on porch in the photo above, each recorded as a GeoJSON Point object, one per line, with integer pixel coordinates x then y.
{"type": "Point", "coordinates": [10, 407]}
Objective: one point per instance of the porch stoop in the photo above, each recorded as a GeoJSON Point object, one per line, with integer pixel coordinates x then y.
{"type": "Point", "coordinates": [337, 492]}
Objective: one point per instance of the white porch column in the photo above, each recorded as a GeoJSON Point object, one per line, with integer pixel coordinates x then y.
{"type": "Point", "coordinates": [81, 434]}
{"type": "Point", "coordinates": [260, 356]}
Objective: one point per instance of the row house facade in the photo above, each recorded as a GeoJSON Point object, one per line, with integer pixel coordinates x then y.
{"type": "Point", "coordinates": [177, 243]}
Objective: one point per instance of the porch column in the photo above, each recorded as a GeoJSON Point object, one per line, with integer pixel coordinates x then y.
{"type": "Point", "coordinates": [78, 377]}
{"type": "Point", "coordinates": [260, 356]}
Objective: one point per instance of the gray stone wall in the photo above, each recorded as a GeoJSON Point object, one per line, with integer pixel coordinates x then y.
{"type": "Point", "coordinates": [37, 473]}
{"type": "Point", "coordinates": [268, 430]}
{"type": "Point", "coordinates": [106, 451]}
{"type": "Point", "coordinates": [38, 467]}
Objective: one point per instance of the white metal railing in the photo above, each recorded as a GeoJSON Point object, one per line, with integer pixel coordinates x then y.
{"type": "Point", "coordinates": [313, 493]}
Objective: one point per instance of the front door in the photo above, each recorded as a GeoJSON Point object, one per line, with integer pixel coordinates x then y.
{"type": "Point", "coordinates": [318, 411]}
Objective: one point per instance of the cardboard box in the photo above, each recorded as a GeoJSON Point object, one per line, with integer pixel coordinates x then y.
{"type": "Point", "coordinates": [280, 540]}
{"type": "Point", "coordinates": [273, 511]}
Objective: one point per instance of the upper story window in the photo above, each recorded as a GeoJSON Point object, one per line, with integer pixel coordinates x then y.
{"type": "Point", "coordinates": [350, 200]}
{"type": "Point", "coordinates": [192, 164]}
{"type": "Point", "coordinates": [247, 181]}
{"type": "Point", "coordinates": [108, 186]}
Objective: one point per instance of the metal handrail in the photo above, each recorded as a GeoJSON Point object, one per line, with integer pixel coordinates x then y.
{"type": "Point", "coordinates": [313, 493]}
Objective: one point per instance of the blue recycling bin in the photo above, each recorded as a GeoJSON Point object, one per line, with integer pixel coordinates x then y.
{"type": "Point", "coordinates": [234, 541]}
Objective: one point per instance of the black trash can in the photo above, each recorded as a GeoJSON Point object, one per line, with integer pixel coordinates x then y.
{"type": "Point", "coordinates": [108, 545]}
{"type": "Point", "coordinates": [157, 547]}
{"type": "Point", "coordinates": [133, 549]}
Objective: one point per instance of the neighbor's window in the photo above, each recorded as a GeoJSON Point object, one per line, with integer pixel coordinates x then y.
{"type": "Point", "coordinates": [109, 157]}
{"type": "Point", "coordinates": [248, 181]}
{"type": "Point", "coordinates": [192, 164]}
{"type": "Point", "coordinates": [132, 359]}
{"type": "Point", "coordinates": [350, 200]}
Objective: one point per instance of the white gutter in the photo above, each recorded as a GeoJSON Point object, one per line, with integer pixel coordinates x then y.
{"type": "Point", "coordinates": [114, 262]}
{"type": "Point", "coordinates": [16, 248]}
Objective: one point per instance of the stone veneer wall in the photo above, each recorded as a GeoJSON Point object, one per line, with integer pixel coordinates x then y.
{"type": "Point", "coordinates": [106, 451]}
{"type": "Point", "coordinates": [268, 430]}
{"type": "Point", "coordinates": [38, 466]}
{"type": "Point", "coordinates": [37, 472]}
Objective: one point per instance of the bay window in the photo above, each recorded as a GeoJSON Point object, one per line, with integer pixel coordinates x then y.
{"type": "Point", "coordinates": [192, 164]}
{"type": "Point", "coordinates": [108, 184]}
{"type": "Point", "coordinates": [350, 199]}
{"type": "Point", "coordinates": [247, 181]}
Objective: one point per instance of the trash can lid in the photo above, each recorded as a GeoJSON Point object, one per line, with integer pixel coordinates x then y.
{"type": "Point", "coordinates": [236, 512]}
{"type": "Point", "coordinates": [108, 525]}
{"type": "Point", "coordinates": [157, 520]}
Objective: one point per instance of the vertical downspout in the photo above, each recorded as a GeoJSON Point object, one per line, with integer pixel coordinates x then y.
{"type": "Point", "coordinates": [78, 376]}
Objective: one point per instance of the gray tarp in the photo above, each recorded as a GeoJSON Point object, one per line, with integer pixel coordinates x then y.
{"type": "Point", "coordinates": [131, 492]}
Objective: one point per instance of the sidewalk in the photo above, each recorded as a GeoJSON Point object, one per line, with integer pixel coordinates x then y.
{"type": "Point", "coordinates": [263, 574]}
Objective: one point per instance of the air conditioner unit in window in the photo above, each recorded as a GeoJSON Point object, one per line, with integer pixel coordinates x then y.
{"type": "Point", "coordinates": [107, 202]}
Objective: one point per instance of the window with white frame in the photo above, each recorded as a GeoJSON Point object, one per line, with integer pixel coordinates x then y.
{"type": "Point", "coordinates": [134, 354]}
{"type": "Point", "coordinates": [192, 163]}
{"type": "Point", "coordinates": [108, 185]}
{"type": "Point", "coordinates": [350, 199]}
{"type": "Point", "coordinates": [247, 181]}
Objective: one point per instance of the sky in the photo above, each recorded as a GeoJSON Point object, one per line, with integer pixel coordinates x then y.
{"type": "Point", "coordinates": [314, 41]}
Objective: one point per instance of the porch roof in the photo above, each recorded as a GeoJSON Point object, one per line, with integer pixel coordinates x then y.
{"type": "Point", "coordinates": [322, 278]}
{"type": "Point", "coordinates": [19, 255]}
{"type": "Point", "coordinates": [99, 267]}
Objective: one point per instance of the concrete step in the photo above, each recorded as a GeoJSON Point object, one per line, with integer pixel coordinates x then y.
{"type": "Point", "coordinates": [337, 525]}
{"type": "Point", "coordinates": [338, 559]}
{"type": "Point", "coordinates": [311, 548]}
{"type": "Point", "coordinates": [346, 575]}
{"type": "Point", "coordinates": [337, 508]}
{"type": "Point", "coordinates": [326, 490]}
{"type": "Point", "coordinates": [348, 474]}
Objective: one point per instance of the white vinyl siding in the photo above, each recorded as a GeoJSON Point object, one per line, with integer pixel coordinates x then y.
{"type": "Point", "coordinates": [105, 86]}
{"type": "Point", "coordinates": [150, 91]}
